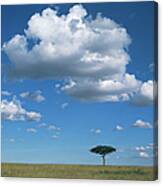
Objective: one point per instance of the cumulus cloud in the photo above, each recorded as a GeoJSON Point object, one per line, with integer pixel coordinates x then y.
{"type": "Point", "coordinates": [64, 105]}
{"type": "Point", "coordinates": [146, 94]}
{"type": "Point", "coordinates": [34, 96]}
{"type": "Point", "coordinates": [11, 140]}
{"type": "Point", "coordinates": [86, 50]}
{"type": "Point", "coordinates": [119, 128]}
{"type": "Point", "coordinates": [142, 124]}
{"type": "Point", "coordinates": [144, 151]}
{"type": "Point", "coordinates": [96, 131]}
{"type": "Point", "coordinates": [144, 155]}
{"type": "Point", "coordinates": [150, 147]}
{"type": "Point", "coordinates": [140, 148]}
{"type": "Point", "coordinates": [42, 125]}
{"type": "Point", "coordinates": [33, 116]}
{"type": "Point", "coordinates": [31, 130]}
{"type": "Point", "coordinates": [6, 93]}
{"type": "Point", "coordinates": [89, 55]}
{"type": "Point", "coordinates": [103, 90]}
{"type": "Point", "coordinates": [54, 136]}
{"type": "Point", "coordinates": [57, 85]}
{"type": "Point", "coordinates": [53, 127]}
{"type": "Point", "coordinates": [13, 111]}
{"type": "Point", "coordinates": [55, 130]}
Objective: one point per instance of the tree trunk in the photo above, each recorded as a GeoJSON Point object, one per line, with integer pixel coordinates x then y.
{"type": "Point", "coordinates": [103, 160]}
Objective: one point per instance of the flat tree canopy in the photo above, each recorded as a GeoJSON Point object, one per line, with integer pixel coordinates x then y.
{"type": "Point", "coordinates": [103, 149]}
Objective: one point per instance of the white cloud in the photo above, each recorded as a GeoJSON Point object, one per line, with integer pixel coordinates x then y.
{"type": "Point", "coordinates": [144, 155]}
{"type": "Point", "coordinates": [33, 116]}
{"type": "Point", "coordinates": [86, 50]}
{"type": "Point", "coordinates": [54, 136]}
{"type": "Point", "coordinates": [42, 125]}
{"type": "Point", "coordinates": [56, 131]}
{"type": "Point", "coordinates": [142, 124]}
{"type": "Point", "coordinates": [143, 151]}
{"type": "Point", "coordinates": [140, 148]}
{"type": "Point", "coordinates": [96, 131]}
{"type": "Point", "coordinates": [64, 105]}
{"type": "Point", "coordinates": [31, 130]}
{"type": "Point", "coordinates": [90, 55]}
{"type": "Point", "coordinates": [53, 127]}
{"type": "Point", "coordinates": [146, 93]}
{"type": "Point", "coordinates": [34, 96]}
{"type": "Point", "coordinates": [13, 111]}
{"type": "Point", "coordinates": [11, 140]}
{"type": "Point", "coordinates": [6, 93]}
{"type": "Point", "coordinates": [103, 90]}
{"type": "Point", "coordinates": [57, 85]}
{"type": "Point", "coordinates": [119, 128]}
{"type": "Point", "coordinates": [150, 146]}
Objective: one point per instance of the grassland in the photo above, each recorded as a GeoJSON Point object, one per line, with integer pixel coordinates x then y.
{"type": "Point", "coordinates": [77, 171]}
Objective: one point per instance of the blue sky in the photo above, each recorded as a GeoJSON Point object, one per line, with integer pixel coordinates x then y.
{"type": "Point", "coordinates": [57, 116]}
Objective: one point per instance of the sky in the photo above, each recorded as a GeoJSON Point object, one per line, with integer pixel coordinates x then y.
{"type": "Point", "coordinates": [75, 76]}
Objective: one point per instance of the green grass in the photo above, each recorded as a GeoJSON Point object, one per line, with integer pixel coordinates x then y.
{"type": "Point", "coordinates": [78, 171]}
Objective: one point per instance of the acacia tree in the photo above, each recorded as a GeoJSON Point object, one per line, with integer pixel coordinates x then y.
{"type": "Point", "coordinates": [103, 150]}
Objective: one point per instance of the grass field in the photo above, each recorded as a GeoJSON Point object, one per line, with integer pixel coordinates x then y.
{"type": "Point", "coordinates": [77, 171]}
